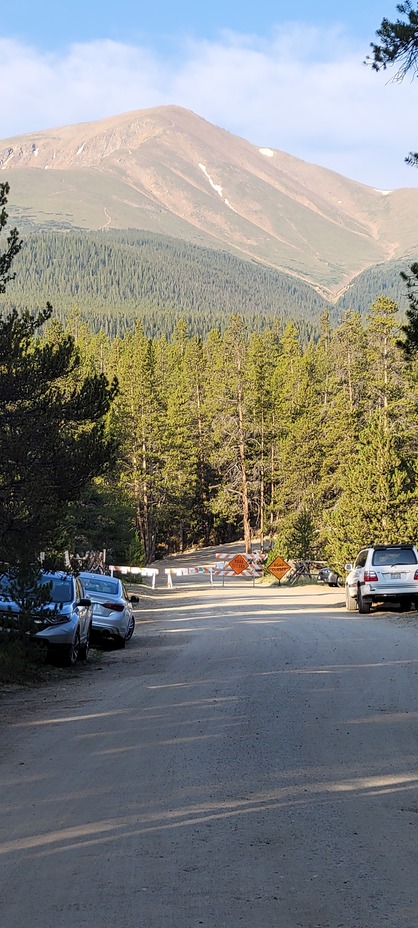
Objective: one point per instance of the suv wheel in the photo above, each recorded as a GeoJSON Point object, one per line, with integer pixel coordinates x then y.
{"type": "Point", "coordinates": [350, 601]}
{"type": "Point", "coordinates": [73, 651]}
{"type": "Point", "coordinates": [84, 648]}
{"type": "Point", "coordinates": [363, 607]}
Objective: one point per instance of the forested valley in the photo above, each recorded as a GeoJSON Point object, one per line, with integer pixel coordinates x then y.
{"type": "Point", "coordinates": [117, 278]}
{"type": "Point", "coordinates": [226, 400]}
{"type": "Point", "coordinates": [313, 446]}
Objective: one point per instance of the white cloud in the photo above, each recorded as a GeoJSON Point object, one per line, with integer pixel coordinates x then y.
{"type": "Point", "coordinates": [305, 91]}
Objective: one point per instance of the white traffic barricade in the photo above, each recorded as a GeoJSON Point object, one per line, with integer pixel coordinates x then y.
{"type": "Point", "coordinates": [144, 571]}
{"type": "Point", "coordinates": [187, 572]}
{"type": "Point", "coordinates": [240, 565]}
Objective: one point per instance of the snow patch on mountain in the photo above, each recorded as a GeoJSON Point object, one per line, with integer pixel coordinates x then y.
{"type": "Point", "coordinates": [10, 154]}
{"type": "Point", "coordinates": [217, 188]}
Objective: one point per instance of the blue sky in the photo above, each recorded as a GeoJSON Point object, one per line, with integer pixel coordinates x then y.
{"type": "Point", "coordinates": [281, 76]}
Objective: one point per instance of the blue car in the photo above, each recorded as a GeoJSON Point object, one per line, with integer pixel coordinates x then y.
{"type": "Point", "coordinates": [61, 612]}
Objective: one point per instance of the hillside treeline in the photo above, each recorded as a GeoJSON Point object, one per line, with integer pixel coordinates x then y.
{"type": "Point", "coordinates": [119, 278]}
{"type": "Point", "coordinates": [382, 279]}
{"type": "Point", "coordinates": [116, 279]}
{"type": "Point", "coordinates": [315, 445]}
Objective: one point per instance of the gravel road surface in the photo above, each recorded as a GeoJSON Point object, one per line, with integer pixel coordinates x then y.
{"type": "Point", "coordinates": [249, 761]}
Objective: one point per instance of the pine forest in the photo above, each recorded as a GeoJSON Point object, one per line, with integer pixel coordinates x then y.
{"type": "Point", "coordinates": [116, 278]}
{"type": "Point", "coordinates": [312, 447]}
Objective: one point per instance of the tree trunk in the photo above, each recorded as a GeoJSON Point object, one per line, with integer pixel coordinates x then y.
{"type": "Point", "coordinates": [244, 486]}
{"type": "Point", "coordinates": [262, 482]}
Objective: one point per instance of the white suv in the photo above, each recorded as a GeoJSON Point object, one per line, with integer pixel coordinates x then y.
{"type": "Point", "coordinates": [380, 574]}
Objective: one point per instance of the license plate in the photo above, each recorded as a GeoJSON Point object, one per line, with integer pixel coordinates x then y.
{"type": "Point", "coordinates": [396, 576]}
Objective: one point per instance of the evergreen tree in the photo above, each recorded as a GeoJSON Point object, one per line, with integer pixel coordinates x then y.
{"type": "Point", "coordinates": [298, 442]}
{"type": "Point", "coordinates": [136, 418]}
{"type": "Point", "coordinates": [409, 342]}
{"type": "Point", "coordinates": [301, 542]}
{"type": "Point", "coordinates": [350, 361]}
{"type": "Point", "coordinates": [379, 503]}
{"type": "Point", "coordinates": [385, 365]}
{"type": "Point", "coordinates": [341, 418]}
{"type": "Point", "coordinates": [261, 361]}
{"type": "Point", "coordinates": [398, 44]}
{"type": "Point", "coordinates": [180, 442]}
{"type": "Point", "coordinates": [230, 422]}
{"type": "Point", "coordinates": [14, 244]}
{"type": "Point", "coordinates": [102, 519]}
{"type": "Point", "coordinates": [52, 435]}
{"type": "Point", "coordinates": [194, 363]}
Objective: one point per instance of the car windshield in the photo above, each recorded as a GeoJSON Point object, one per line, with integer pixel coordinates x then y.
{"type": "Point", "coordinates": [100, 585]}
{"type": "Point", "coordinates": [50, 589]}
{"type": "Point", "coordinates": [59, 590]}
{"type": "Point", "coordinates": [4, 584]}
{"type": "Point", "coordinates": [388, 557]}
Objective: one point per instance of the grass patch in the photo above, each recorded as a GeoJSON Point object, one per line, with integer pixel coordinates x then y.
{"type": "Point", "coordinates": [21, 661]}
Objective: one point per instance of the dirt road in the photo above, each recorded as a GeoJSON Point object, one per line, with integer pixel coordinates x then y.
{"type": "Point", "coordinates": [249, 760]}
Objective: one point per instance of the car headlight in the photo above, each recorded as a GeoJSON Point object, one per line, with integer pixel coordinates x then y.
{"type": "Point", "coordinates": [53, 619]}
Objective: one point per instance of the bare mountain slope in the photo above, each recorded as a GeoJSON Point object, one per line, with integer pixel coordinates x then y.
{"type": "Point", "coordinates": [167, 170]}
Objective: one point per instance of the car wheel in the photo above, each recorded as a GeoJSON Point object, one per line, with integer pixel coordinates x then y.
{"type": "Point", "coordinates": [350, 601]}
{"type": "Point", "coordinates": [131, 629]}
{"type": "Point", "coordinates": [83, 652]}
{"type": "Point", "coordinates": [363, 607]}
{"type": "Point", "coordinates": [69, 655]}
{"type": "Point", "coordinates": [405, 604]}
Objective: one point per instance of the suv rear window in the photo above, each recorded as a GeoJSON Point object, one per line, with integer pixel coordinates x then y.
{"type": "Point", "coordinates": [388, 557]}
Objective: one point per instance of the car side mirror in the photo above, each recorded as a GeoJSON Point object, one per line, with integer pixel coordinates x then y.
{"type": "Point", "coordinates": [84, 602]}
{"type": "Point", "coordinates": [348, 567]}
{"type": "Point", "coordinates": [134, 599]}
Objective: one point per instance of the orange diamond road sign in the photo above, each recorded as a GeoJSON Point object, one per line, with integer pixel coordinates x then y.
{"type": "Point", "coordinates": [238, 564]}
{"type": "Point", "coordinates": [278, 568]}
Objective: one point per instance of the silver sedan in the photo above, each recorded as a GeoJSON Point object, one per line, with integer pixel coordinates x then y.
{"type": "Point", "coordinates": [113, 616]}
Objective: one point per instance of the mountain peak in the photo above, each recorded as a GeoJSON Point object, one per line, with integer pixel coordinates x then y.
{"type": "Point", "coordinates": [168, 170]}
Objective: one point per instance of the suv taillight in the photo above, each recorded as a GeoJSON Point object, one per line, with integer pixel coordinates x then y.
{"type": "Point", "coordinates": [416, 574]}
{"type": "Point", "coordinates": [370, 576]}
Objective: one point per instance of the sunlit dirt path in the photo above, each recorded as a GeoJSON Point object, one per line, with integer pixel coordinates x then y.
{"type": "Point", "coordinates": [249, 760]}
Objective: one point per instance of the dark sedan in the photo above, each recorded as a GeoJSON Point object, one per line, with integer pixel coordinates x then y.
{"type": "Point", "coordinates": [329, 576]}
